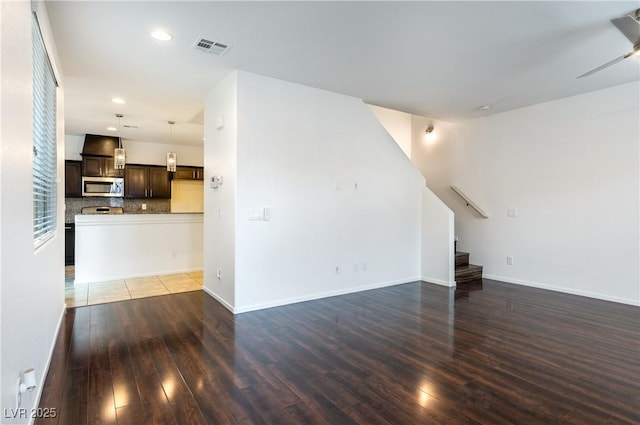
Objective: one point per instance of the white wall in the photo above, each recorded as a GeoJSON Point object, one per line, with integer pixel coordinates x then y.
{"type": "Point", "coordinates": [437, 260]}
{"type": "Point", "coordinates": [570, 168]}
{"type": "Point", "coordinates": [142, 152]}
{"type": "Point", "coordinates": [398, 124]}
{"type": "Point", "coordinates": [220, 152]}
{"type": "Point", "coordinates": [301, 151]}
{"type": "Point", "coordinates": [31, 282]}
{"type": "Point", "coordinates": [136, 245]}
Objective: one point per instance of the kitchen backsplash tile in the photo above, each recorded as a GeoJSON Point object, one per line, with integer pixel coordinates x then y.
{"type": "Point", "coordinates": [131, 206]}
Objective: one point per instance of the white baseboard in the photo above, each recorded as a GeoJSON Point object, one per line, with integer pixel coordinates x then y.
{"type": "Point", "coordinates": [438, 281]}
{"type": "Point", "coordinates": [45, 371]}
{"type": "Point", "coordinates": [224, 303]}
{"type": "Point", "coordinates": [317, 296]}
{"type": "Point", "coordinates": [564, 290]}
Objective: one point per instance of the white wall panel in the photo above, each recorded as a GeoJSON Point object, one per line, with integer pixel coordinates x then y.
{"type": "Point", "coordinates": [571, 170]}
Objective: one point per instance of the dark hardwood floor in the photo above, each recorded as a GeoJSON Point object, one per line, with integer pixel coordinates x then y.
{"type": "Point", "coordinates": [409, 354]}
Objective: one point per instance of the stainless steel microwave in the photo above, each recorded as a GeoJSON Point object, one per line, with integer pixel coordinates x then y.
{"type": "Point", "coordinates": [103, 186]}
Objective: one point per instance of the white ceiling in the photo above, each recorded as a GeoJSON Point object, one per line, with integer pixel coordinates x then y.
{"type": "Point", "coordinates": [437, 59]}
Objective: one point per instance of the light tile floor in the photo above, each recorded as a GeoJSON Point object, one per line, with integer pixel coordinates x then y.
{"type": "Point", "coordinates": [127, 289]}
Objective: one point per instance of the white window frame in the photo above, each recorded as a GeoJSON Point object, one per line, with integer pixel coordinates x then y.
{"type": "Point", "coordinates": [45, 87]}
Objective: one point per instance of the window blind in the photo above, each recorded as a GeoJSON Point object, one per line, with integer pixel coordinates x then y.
{"type": "Point", "coordinates": [44, 141]}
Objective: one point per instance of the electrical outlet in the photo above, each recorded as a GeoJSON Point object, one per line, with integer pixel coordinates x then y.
{"type": "Point", "coordinates": [144, 207]}
{"type": "Point", "coordinates": [509, 260]}
{"type": "Point", "coordinates": [512, 212]}
{"type": "Point", "coordinates": [337, 269]}
{"type": "Point", "coordinates": [219, 274]}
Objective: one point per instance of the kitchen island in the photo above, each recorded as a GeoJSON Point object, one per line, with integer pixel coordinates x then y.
{"type": "Point", "coordinates": [119, 246]}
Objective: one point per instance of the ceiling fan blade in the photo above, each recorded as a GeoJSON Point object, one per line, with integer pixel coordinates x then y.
{"type": "Point", "coordinates": [629, 26]}
{"type": "Point", "coordinates": [606, 65]}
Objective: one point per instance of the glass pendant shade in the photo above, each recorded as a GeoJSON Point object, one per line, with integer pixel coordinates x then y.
{"type": "Point", "coordinates": [118, 158]}
{"type": "Point", "coordinates": [118, 153]}
{"type": "Point", "coordinates": [172, 161]}
{"type": "Point", "coordinates": [172, 158]}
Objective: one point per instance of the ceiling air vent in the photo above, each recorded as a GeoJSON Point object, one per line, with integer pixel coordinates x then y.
{"type": "Point", "coordinates": [210, 46]}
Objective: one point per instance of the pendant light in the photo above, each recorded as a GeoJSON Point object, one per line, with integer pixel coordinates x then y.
{"type": "Point", "coordinates": [118, 153]}
{"type": "Point", "coordinates": [172, 158]}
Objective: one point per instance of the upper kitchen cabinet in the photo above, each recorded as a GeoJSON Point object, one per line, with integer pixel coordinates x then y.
{"type": "Point", "coordinates": [73, 179]}
{"type": "Point", "coordinates": [188, 173]}
{"type": "Point", "coordinates": [159, 184]}
{"type": "Point", "coordinates": [99, 166]}
{"type": "Point", "coordinates": [142, 181]}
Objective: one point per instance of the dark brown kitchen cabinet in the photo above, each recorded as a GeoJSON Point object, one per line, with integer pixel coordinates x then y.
{"type": "Point", "coordinates": [99, 166]}
{"type": "Point", "coordinates": [135, 181]}
{"type": "Point", "coordinates": [73, 179]}
{"type": "Point", "coordinates": [142, 181]}
{"type": "Point", "coordinates": [188, 173]}
{"type": "Point", "coordinates": [69, 244]}
{"type": "Point", "coordinates": [159, 184]}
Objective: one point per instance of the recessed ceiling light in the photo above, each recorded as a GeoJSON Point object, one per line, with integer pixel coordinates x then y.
{"type": "Point", "coordinates": [118, 100]}
{"type": "Point", "coordinates": [111, 128]}
{"type": "Point", "coordinates": [161, 35]}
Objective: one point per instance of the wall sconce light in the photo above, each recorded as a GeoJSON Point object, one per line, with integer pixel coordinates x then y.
{"type": "Point", "coordinates": [429, 134]}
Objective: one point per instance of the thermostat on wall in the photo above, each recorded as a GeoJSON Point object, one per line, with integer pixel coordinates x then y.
{"type": "Point", "coordinates": [216, 181]}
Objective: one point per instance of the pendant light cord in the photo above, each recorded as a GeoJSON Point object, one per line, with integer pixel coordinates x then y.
{"type": "Point", "coordinates": [119, 130]}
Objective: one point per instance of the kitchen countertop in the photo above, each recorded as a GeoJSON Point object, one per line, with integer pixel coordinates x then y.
{"type": "Point", "coordinates": [125, 219]}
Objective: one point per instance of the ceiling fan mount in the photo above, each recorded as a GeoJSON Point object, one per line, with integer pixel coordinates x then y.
{"type": "Point", "coordinates": [629, 26]}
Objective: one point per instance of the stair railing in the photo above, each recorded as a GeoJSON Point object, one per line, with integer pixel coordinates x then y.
{"type": "Point", "coordinates": [469, 202]}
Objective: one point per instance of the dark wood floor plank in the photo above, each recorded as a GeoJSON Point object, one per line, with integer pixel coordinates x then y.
{"type": "Point", "coordinates": [415, 353]}
{"type": "Point", "coordinates": [156, 406]}
{"type": "Point", "coordinates": [130, 414]}
{"type": "Point", "coordinates": [185, 407]}
{"type": "Point", "coordinates": [75, 398]}
{"type": "Point", "coordinates": [101, 407]}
